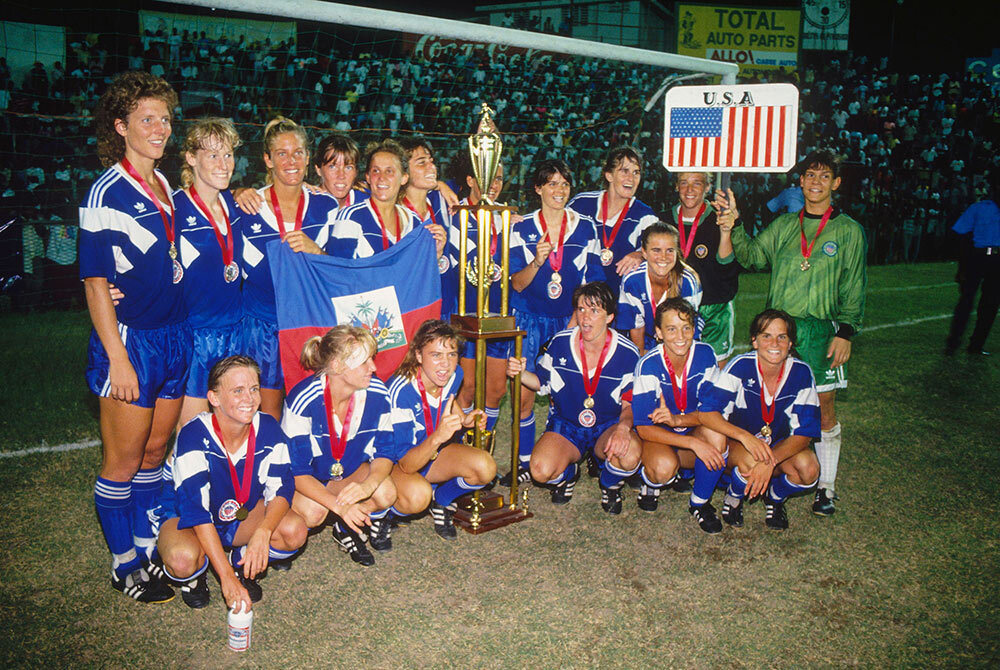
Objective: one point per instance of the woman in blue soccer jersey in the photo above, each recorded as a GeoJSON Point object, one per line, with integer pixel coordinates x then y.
{"type": "Point", "coordinates": [662, 275]}
{"type": "Point", "coordinates": [233, 491]}
{"type": "Point", "coordinates": [211, 244]}
{"type": "Point", "coordinates": [620, 216]}
{"type": "Point", "coordinates": [380, 221]}
{"type": "Point", "coordinates": [774, 397]}
{"type": "Point", "coordinates": [139, 349]}
{"type": "Point", "coordinates": [676, 402]}
{"type": "Point", "coordinates": [587, 372]}
{"type": "Point", "coordinates": [337, 158]}
{"type": "Point", "coordinates": [553, 250]}
{"type": "Point", "coordinates": [342, 444]}
{"type": "Point", "coordinates": [425, 418]}
{"type": "Point", "coordinates": [297, 217]}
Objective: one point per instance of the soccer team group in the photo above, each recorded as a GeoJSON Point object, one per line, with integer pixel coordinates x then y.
{"type": "Point", "coordinates": [629, 332]}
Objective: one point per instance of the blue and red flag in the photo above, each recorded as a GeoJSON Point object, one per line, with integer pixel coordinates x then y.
{"type": "Point", "coordinates": [390, 293]}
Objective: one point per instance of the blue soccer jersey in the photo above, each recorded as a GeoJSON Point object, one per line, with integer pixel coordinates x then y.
{"type": "Point", "coordinates": [369, 433]}
{"type": "Point", "coordinates": [408, 422]}
{"type": "Point", "coordinates": [581, 264]}
{"type": "Point", "coordinates": [448, 262]}
{"type": "Point", "coordinates": [635, 309]}
{"type": "Point", "coordinates": [357, 232]}
{"type": "Point", "coordinates": [652, 381]}
{"type": "Point", "coordinates": [211, 300]}
{"type": "Point", "coordinates": [472, 246]}
{"type": "Point", "coordinates": [317, 222]}
{"type": "Point", "coordinates": [638, 217]}
{"type": "Point", "coordinates": [202, 480]}
{"type": "Point", "coordinates": [558, 371]}
{"type": "Point", "coordinates": [123, 239]}
{"type": "Point", "coordinates": [795, 404]}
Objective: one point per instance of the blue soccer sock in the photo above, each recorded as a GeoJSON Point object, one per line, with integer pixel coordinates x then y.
{"type": "Point", "coordinates": [649, 482]}
{"type": "Point", "coordinates": [447, 492]}
{"type": "Point", "coordinates": [705, 481]}
{"type": "Point", "coordinates": [146, 487]}
{"type": "Point", "coordinates": [278, 554]}
{"type": "Point", "coordinates": [685, 473]}
{"type": "Point", "coordinates": [379, 514]}
{"type": "Point", "coordinates": [113, 503]}
{"type": "Point", "coordinates": [526, 436]}
{"type": "Point", "coordinates": [612, 477]}
{"type": "Point", "coordinates": [737, 484]}
{"type": "Point", "coordinates": [781, 488]}
{"type": "Point", "coordinates": [567, 475]}
{"type": "Point", "coordinates": [492, 414]}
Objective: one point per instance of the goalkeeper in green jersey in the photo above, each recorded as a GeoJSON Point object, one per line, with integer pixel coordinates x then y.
{"type": "Point", "coordinates": [817, 260]}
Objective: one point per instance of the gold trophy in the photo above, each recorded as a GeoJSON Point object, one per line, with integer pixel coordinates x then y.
{"type": "Point", "coordinates": [487, 510]}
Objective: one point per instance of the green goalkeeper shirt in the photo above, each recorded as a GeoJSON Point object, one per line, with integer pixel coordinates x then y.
{"type": "Point", "coordinates": [833, 288]}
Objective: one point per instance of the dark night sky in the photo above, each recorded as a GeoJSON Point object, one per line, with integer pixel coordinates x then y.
{"type": "Point", "coordinates": [926, 35]}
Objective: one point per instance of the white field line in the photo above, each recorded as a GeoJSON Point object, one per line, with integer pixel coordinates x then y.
{"type": "Point", "coordinates": [73, 446]}
{"type": "Point", "coordinates": [887, 289]}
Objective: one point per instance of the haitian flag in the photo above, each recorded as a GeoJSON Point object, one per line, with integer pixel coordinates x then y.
{"type": "Point", "coordinates": [390, 294]}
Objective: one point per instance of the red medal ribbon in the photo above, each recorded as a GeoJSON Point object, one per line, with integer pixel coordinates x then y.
{"type": "Point", "coordinates": [338, 443]}
{"type": "Point", "coordinates": [556, 255]}
{"type": "Point", "coordinates": [604, 221]}
{"type": "Point", "coordinates": [242, 491]}
{"type": "Point", "coordinates": [590, 385]}
{"type": "Point", "coordinates": [225, 241]}
{"type": "Point", "coordinates": [807, 251]}
{"type": "Point", "coordinates": [409, 206]}
{"type": "Point", "coordinates": [381, 223]}
{"type": "Point", "coordinates": [767, 413]}
{"type": "Point", "coordinates": [277, 212]}
{"type": "Point", "coordinates": [168, 226]}
{"type": "Point", "coordinates": [680, 395]}
{"type": "Point", "coordinates": [429, 425]}
{"type": "Point", "coordinates": [689, 242]}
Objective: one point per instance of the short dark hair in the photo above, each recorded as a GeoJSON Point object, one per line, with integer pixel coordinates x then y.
{"type": "Point", "coordinates": [219, 370]}
{"type": "Point", "coordinates": [821, 158]}
{"type": "Point", "coordinates": [679, 305]}
{"type": "Point", "coordinates": [619, 155]}
{"type": "Point", "coordinates": [598, 293]}
{"type": "Point", "coordinates": [764, 319]}
{"type": "Point", "coordinates": [334, 145]}
{"type": "Point", "coordinates": [547, 168]}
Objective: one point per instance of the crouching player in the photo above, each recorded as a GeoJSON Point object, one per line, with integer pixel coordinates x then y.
{"type": "Point", "coordinates": [233, 490]}
{"type": "Point", "coordinates": [425, 418]}
{"type": "Point", "coordinates": [587, 372]}
{"type": "Point", "coordinates": [775, 398]}
{"type": "Point", "coordinates": [341, 440]}
{"type": "Point", "coordinates": [677, 402]}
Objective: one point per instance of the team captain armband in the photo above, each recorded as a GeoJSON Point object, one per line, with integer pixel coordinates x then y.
{"type": "Point", "coordinates": [845, 331]}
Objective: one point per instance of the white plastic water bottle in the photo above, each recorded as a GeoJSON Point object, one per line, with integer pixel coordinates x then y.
{"type": "Point", "coordinates": [240, 627]}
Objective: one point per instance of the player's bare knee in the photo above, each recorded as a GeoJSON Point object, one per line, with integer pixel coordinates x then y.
{"type": "Point", "coordinates": [485, 469]}
{"type": "Point", "coordinates": [385, 495]}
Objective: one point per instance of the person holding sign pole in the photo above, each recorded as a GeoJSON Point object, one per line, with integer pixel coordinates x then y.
{"type": "Point", "coordinates": [818, 276]}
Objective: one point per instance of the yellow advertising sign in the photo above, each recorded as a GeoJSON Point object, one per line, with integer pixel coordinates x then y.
{"type": "Point", "coordinates": [758, 39]}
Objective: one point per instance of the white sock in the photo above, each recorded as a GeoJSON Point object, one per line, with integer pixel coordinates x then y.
{"type": "Point", "coordinates": [828, 453]}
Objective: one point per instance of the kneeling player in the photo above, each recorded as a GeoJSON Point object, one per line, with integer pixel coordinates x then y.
{"type": "Point", "coordinates": [775, 398]}
{"type": "Point", "coordinates": [341, 440]}
{"type": "Point", "coordinates": [677, 404]}
{"type": "Point", "coordinates": [587, 372]}
{"type": "Point", "coordinates": [233, 488]}
{"type": "Point", "coordinates": [425, 418]}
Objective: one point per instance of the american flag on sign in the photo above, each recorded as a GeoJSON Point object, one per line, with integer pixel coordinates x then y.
{"type": "Point", "coordinates": [731, 137]}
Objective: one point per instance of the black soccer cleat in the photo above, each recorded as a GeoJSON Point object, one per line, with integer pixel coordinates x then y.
{"type": "Point", "coordinates": [593, 469]}
{"type": "Point", "coordinates": [706, 518]}
{"type": "Point", "coordinates": [139, 586]}
{"type": "Point", "coordinates": [443, 524]}
{"type": "Point", "coordinates": [823, 504]}
{"type": "Point", "coordinates": [523, 477]}
{"type": "Point", "coordinates": [194, 592]}
{"type": "Point", "coordinates": [611, 500]}
{"type": "Point", "coordinates": [563, 493]}
{"type": "Point", "coordinates": [280, 565]}
{"type": "Point", "coordinates": [381, 535]}
{"type": "Point", "coordinates": [649, 498]}
{"type": "Point", "coordinates": [732, 513]}
{"type": "Point", "coordinates": [353, 545]}
{"type": "Point", "coordinates": [251, 585]}
{"type": "Point", "coordinates": [776, 518]}
{"type": "Point", "coordinates": [680, 485]}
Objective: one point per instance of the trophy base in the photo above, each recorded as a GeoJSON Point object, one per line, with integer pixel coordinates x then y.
{"type": "Point", "coordinates": [488, 327]}
{"type": "Point", "coordinates": [493, 513]}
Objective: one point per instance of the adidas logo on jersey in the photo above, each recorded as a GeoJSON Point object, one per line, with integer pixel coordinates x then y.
{"type": "Point", "coordinates": [191, 220]}
{"type": "Point", "coordinates": [531, 237]}
{"type": "Point", "coordinates": [140, 206]}
{"type": "Point", "coordinates": [255, 227]}
{"type": "Point", "coordinates": [562, 361]}
{"type": "Point", "coordinates": [204, 441]}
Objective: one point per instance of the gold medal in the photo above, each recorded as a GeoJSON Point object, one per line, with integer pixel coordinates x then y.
{"type": "Point", "coordinates": [766, 430]}
{"type": "Point", "coordinates": [242, 513]}
{"type": "Point", "coordinates": [556, 278]}
{"type": "Point", "coordinates": [588, 402]}
{"type": "Point", "coordinates": [606, 257]}
{"type": "Point", "coordinates": [804, 265]}
{"type": "Point", "coordinates": [173, 251]}
{"type": "Point", "coordinates": [336, 470]}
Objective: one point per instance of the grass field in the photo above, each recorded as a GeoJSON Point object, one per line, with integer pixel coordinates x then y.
{"type": "Point", "coordinates": [905, 574]}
